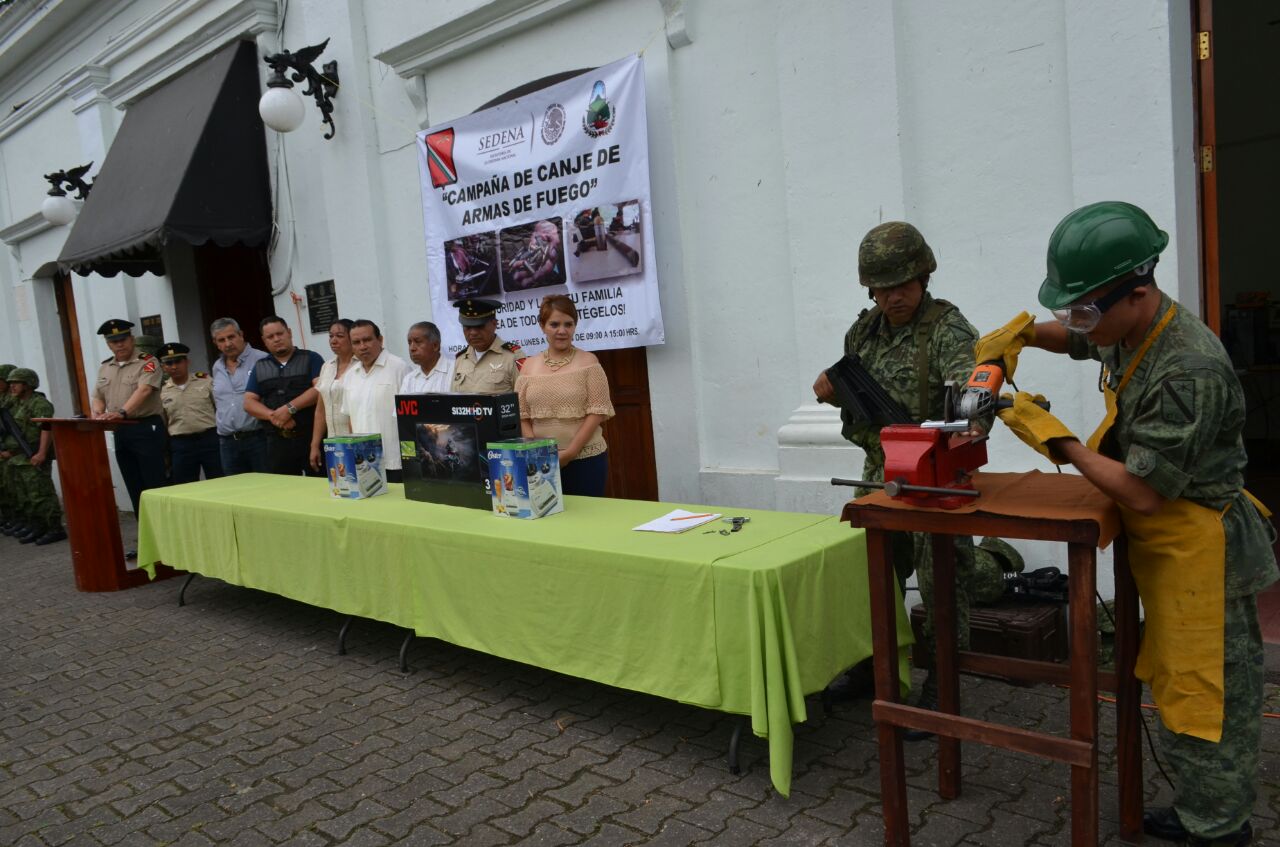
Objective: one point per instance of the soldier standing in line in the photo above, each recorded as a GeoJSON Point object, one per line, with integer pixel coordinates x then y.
{"type": "Point", "coordinates": [31, 475]}
{"type": "Point", "coordinates": [1170, 452]}
{"type": "Point", "coordinates": [187, 405]}
{"type": "Point", "coordinates": [8, 513]}
{"type": "Point", "coordinates": [128, 389]}
{"type": "Point", "coordinates": [487, 365]}
{"type": "Point", "coordinates": [912, 344]}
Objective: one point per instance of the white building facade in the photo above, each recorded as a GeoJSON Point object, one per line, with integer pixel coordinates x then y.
{"type": "Point", "coordinates": [779, 133]}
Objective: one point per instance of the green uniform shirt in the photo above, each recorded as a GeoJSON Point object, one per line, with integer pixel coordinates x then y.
{"type": "Point", "coordinates": [35, 406]}
{"type": "Point", "coordinates": [889, 354]}
{"type": "Point", "coordinates": [1178, 427]}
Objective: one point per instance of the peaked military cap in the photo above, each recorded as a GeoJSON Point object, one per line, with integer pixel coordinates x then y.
{"type": "Point", "coordinates": [173, 350]}
{"type": "Point", "coordinates": [115, 329]}
{"type": "Point", "coordinates": [475, 312]}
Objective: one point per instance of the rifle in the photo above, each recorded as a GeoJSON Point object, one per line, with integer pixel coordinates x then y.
{"type": "Point", "coordinates": [11, 426]}
{"type": "Point", "coordinates": [862, 396]}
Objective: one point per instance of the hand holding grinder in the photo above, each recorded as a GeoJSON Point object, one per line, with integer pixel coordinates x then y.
{"type": "Point", "coordinates": [931, 463]}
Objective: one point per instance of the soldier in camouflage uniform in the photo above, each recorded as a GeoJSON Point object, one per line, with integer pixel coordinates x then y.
{"type": "Point", "coordinates": [8, 515]}
{"type": "Point", "coordinates": [912, 344]}
{"type": "Point", "coordinates": [31, 476]}
{"type": "Point", "coordinates": [1171, 455]}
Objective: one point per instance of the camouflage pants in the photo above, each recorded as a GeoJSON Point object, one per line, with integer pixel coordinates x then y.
{"type": "Point", "coordinates": [8, 503]}
{"type": "Point", "coordinates": [913, 551]}
{"type": "Point", "coordinates": [37, 501]}
{"type": "Point", "coordinates": [1215, 782]}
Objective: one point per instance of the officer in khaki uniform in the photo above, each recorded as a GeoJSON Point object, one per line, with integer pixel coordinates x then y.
{"type": "Point", "coordinates": [1170, 453]}
{"type": "Point", "coordinates": [487, 365]}
{"type": "Point", "coordinates": [128, 388]}
{"type": "Point", "coordinates": [187, 405]}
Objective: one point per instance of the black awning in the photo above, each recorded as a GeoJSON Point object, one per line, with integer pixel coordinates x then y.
{"type": "Point", "coordinates": [189, 163]}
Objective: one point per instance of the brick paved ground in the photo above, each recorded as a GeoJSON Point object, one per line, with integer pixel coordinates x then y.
{"type": "Point", "coordinates": [125, 719]}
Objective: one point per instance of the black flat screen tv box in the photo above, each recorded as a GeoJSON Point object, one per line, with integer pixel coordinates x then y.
{"type": "Point", "coordinates": [442, 444]}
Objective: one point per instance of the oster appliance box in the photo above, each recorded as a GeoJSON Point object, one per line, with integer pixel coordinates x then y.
{"type": "Point", "coordinates": [524, 478]}
{"type": "Point", "coordinates": [442, 444]}
{"type": "Point", "coordinates": [354, 465]}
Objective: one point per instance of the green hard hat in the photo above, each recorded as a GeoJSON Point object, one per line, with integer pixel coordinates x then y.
{"type": "Point", "coordinates": [1097, 244]}
{"type": "Point", "coordinates": [893, 253]}
{"type": "Point", "coordinates": [5, 370]}
{"type": "Point", "coordinates": [24, 375]}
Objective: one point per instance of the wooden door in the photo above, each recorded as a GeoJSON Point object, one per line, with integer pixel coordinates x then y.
{"type": "Point", "coordinates": [633, 472]}
{"type": "Point", "coordinates": [1206, 148]}
{"type": "Point", "coordinates": [235, 282]}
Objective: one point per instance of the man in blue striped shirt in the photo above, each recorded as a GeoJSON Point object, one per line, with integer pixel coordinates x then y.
{"type": "Point", "coordinates": [242, 442]}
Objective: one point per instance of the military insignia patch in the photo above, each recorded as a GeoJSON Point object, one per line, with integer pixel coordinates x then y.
{"type": "Point", "coordinates": [1178, 401]}
{"type": "Point", "coordinates": [149, 367]}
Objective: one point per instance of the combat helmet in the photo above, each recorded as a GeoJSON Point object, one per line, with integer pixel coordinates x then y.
{"type": "Point", "coordinates": [5, 370]}
{"type": "Point", "coordinates": [24, 375]}
{"type": "Point", "coordinates": [1098, 244]}
{"type": "Point", "coordinates": [893, 253]}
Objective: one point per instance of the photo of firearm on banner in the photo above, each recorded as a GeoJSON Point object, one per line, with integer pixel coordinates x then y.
{"type": "Point", "coordinates": [532, 256]}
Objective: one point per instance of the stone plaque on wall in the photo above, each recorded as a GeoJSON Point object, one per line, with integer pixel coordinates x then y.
{"type": "Point", "coordinates": [322, 305]}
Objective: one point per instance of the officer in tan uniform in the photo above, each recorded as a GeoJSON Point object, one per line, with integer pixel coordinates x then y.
{"type": "Point", "coordinates": [128, 388]}
{"type": "Point", "coordinates": [187, 401]}
{"type": "Point", "coordinates": [487, 365]}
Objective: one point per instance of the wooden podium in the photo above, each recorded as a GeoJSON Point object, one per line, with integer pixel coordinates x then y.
{"type": "Point", "coordinates": [89, 500]}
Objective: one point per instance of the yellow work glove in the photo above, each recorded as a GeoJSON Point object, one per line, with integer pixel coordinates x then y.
{"type": "Point", "coordinates": [1006, 343]}
{"type": "Point", "coordinates": [1035, 426]}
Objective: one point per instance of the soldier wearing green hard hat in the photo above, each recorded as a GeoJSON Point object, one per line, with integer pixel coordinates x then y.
{"type": "Point", "coordinates": [1170, 453]}
{"type": "Point", "coordinates": [911, 344]}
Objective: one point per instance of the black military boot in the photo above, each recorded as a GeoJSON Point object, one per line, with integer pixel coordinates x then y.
{"type": "Point", "coordinates": [8, 527]}
{"type": "Point", "coordinates": [928, 700]}
{"type": "Point", "coordinates": [1164, 823]}
{"type": "Point", "coordinates": [53, 536]}
{"type": "Point", "coordinates": [27, 535]}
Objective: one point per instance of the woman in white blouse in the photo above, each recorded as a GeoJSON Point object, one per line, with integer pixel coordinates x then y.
{"type": "Point", "coordinates": [329, 419]}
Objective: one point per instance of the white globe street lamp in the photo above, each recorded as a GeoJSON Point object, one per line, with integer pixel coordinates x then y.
{"type": "Point", "coordinates": [282, 109]}
{"type": "Point", "coordinates": [58, 209]}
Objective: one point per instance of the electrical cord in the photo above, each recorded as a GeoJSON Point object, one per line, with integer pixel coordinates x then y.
{"type": "Point", "coordinates": [1146, 730]}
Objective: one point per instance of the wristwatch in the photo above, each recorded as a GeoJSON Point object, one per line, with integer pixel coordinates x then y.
{"type": "Point", "coordinates": [293, 410]}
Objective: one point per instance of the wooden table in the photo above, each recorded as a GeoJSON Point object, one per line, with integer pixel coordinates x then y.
{"type": "Point", "coordinates": [879, 516]}
{"type": "Point", "coordinates": [89, 500]}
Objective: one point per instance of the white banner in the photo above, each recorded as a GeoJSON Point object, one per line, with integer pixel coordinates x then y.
{"type": "Point", "coordinates": [547, 194]}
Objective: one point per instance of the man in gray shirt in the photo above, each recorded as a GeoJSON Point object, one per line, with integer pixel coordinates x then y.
{"type": "Point", "coordinates": [242, 443]}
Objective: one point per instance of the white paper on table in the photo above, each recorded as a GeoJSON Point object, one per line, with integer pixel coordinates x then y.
{"type": "Point", "coordinates": [677, 520]}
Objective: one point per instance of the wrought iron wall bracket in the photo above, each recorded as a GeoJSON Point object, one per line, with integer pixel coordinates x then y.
{"type": "Point", "coordinates": [322, 85]}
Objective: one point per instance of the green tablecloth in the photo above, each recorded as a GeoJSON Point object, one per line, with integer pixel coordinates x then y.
{"type": "Point", "coordinates": [746, 623]}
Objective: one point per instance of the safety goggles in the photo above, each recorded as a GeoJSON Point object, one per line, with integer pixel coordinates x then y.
{"type": "Point", "coordinates": [1084, 317]}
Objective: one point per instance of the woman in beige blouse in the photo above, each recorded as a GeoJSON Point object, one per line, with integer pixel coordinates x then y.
{"type": "Point", "coordinates": [564, 395]}
{"type": "Point", "coordinates": [329, 420]}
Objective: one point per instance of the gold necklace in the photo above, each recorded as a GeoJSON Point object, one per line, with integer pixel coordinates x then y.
{"type": "Point", "coordinates": [557, 364]}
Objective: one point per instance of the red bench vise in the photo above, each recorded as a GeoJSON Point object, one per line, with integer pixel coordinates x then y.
{"type": "Point", "coordinates": [928, 464]}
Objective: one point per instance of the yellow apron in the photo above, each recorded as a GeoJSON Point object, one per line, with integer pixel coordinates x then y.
{"type": "Point", "coordinates": [1178, 558]}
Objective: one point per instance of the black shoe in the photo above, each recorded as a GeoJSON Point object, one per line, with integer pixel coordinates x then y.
{"type": "Point", "coordinates": [1163, 823]}
{"type": "Point", "coordinates": [9, 528]}
{"type": "Point", "coordinates": [130, 555]}
{"type": "Point", "coordinates": [53, 536]}
{"type": "Point", "coordinates": [857, 683]}
{"type": "Point", "coordinates": [28, 536]}
{"type": "Point", "coordinates": [928, 700]}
